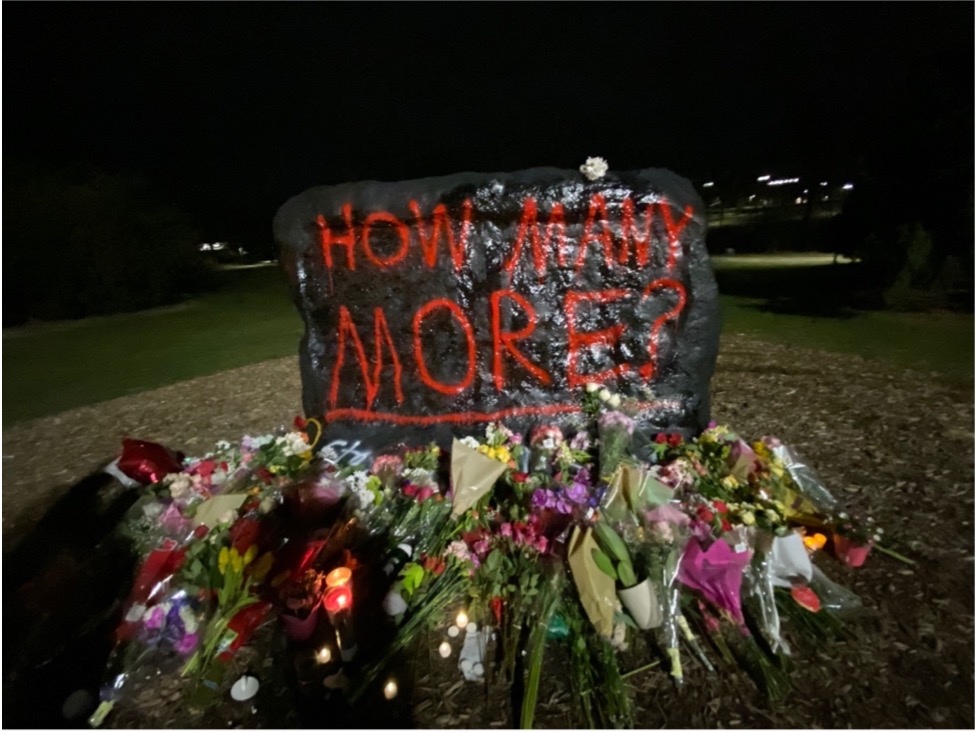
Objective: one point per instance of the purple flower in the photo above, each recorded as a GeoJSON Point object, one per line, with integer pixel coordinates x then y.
{"type": "Point", "coordinates": [616, 420]}
{"type": "Point", "coordinates": [563, 508]}
{"type": "Point", "coordinates": [515, 439]}
{"type": "Point", "coordinates": [540, 499]}
{"type": "Point", "coordinates": [583, 477]}
{"type": "Point", "coordinates": [577, 493]}
{"type": "Point", "coordinates": [581, 441]}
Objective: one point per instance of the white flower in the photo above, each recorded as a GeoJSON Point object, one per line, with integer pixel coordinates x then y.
{"type": "Point", "coordinates": [357, 481]}
{"type": "Point", "coordinates": [470, 442]}
{"type": "Point", "coordinates": [605, 395]}
{"type": "Point", "coordinates": [363, 498]}
{"type": "Point", "coordinates": [592, 387]}
{"type": "Point", "coordinates": [420, 477]}
{"type": "Point", "coordinates": [189, 618]}
{"type": "Point", "coordinates": [615, 401]}
{"type": "Point", "coordinates": [180, 485]}
{"type": "Point", "coordinates": [293, 443]}
{"type": "Point", "coordinates": [594, 168]}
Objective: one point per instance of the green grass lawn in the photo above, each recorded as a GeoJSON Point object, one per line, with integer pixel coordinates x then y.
{"type": "Point", "coordinates": [51, 367]}
{"type": "Point", "coordinates": [941, 342]}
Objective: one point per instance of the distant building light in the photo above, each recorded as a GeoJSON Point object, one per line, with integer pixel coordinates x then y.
{"type": "Point", "coordinates": [805, 190]}
{"type": "Point", "coordinates": [847, 187]}
{"type": "Point", "coordinates": [708, 184]}
{"type": "Point", "coordinates": [798, 201]}
{"type": "Point", "coordinates": [761, 179]}
{"type": "Point", "coordinates": [823, 183]}
{"type": "Point", "coordinates": [205, 247]}
{"type": "Point", "coordinates": [824, 198]}
{"type": "Point", "coordinates": [782, 181]}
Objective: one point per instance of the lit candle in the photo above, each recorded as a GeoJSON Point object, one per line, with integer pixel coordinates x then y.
{"type": "Point", "coordinates": [338, 599]}
{"type": "Point", "coordinates": [324, 655]}
{"type": "Point", "coordinates": [390, 689]}
{"type": "Point", "coordinates": [445, 649]}
{"type": "Point", "coordinates": [338, 603]}
{"type": "Point", "coordinates": [462, 619]}
{"type": "Point", "coordinates": [338, 577]}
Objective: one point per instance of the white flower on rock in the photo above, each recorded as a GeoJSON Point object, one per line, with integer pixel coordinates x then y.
{"type": "Point", "coordinates": [594, 168]}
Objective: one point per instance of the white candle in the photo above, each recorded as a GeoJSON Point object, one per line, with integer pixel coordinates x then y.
{"type": "Point", "coordinates": [445, 649]}
{"type": "Point", "coordinates": [390, 690]}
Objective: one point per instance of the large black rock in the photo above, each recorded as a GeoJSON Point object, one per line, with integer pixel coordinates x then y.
{"type": "Point", "coordinates": [434, 306]}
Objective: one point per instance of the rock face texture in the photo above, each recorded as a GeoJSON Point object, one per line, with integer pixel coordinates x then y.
{"type": "Point", "coordinates": [437, 305]}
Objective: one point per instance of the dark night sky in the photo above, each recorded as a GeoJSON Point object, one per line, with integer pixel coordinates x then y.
{"type": "Point", "coordinates": [231, 108]}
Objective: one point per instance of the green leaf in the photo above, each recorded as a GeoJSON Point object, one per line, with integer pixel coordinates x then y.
{"type": "Point", "coordinates": [412, 576]}
{"type": "Point", "coordinates": [493, 561]}
{"type": "Point", "coordinates": [611, 541]}
{"type": "Point", "coordinates": [604, 563]}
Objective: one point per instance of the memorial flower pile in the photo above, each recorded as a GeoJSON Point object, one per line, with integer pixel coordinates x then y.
{"type": "Point", "coordinates": [593, 537]}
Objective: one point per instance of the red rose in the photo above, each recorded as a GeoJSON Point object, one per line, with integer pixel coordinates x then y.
{"type": "Point", "coordinates": [244, 533]}
{"type": "Point", "coordinates": [720, 506]}
{"type": "Point", "coordinates": [661, 438]}
{"type": "Point", "coordinates": [496, 604]}
{"type": "Point", "coordinates": [520, 477]}
{"type": "Point", "coordinates": [675, 440]}
{"type": "Point", "coordinates": [704, 514]}
{"type": "Point", "coordinates": [205, 469]}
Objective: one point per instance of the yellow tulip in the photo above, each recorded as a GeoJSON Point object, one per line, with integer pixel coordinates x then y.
{"type": "Point", "coordinates": [250, 554]}
{"type": "Point", "coordinates": [222, 560]}
{"type": "Point", "coordinates": [236, 560]}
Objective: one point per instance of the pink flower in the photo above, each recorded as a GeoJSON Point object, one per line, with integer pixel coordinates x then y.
{"type": "Point", "coordinates": [424, 494]}
{"type": "Point", "coordinates": [541, 544]}
{"type": "Point", "coordinates": [154, 618]}
{"type": "Point", "coordinates": [506, 530]}
{"type": "Point", "coordinates": [187, 644]}
{"type": "Point", "coordinates": [481, 547]}
{"type": "Point", "coordinates": [410, 490]}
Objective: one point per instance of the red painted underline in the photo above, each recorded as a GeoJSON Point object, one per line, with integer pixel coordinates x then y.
{"type": "Point", "coordinates": [459, 418]}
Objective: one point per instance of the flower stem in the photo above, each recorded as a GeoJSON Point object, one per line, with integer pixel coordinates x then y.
{"type": "Point", "coordinates": [894, 554]}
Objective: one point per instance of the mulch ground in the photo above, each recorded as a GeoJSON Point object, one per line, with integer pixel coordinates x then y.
{"type": "Point", "coordinates": [898, 445]}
